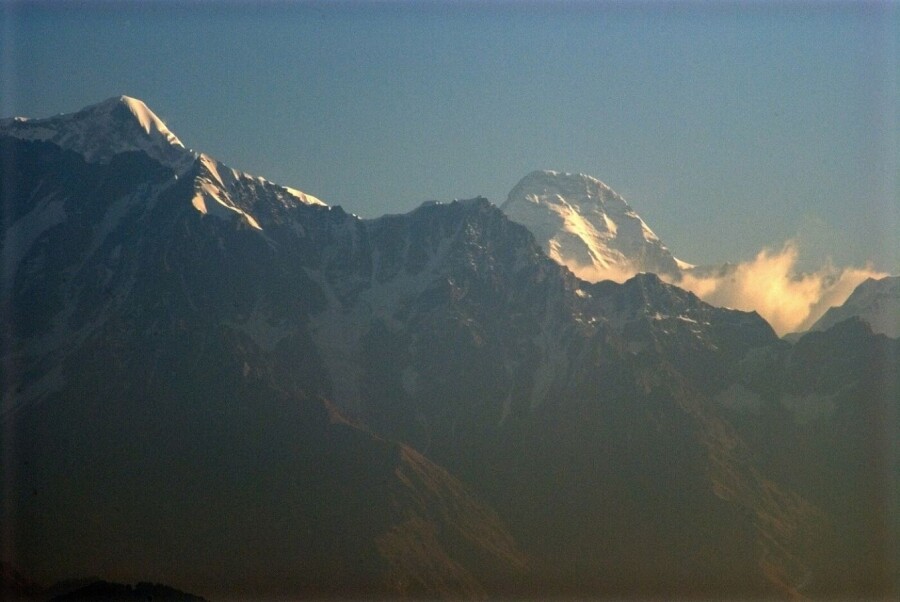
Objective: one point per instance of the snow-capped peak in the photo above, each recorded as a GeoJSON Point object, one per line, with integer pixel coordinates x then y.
{"type": "Point", "coordinates": [101, 131]}
{"type": "Point", "coordinates": [124, 124]}
{"type": "Point", "coordinates": [584, 224]}
{"type": "Point", "coordinates": [151, 124]}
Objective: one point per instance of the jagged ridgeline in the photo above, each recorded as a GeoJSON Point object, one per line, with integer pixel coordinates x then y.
{"type": "Point", "coordinates": [227, 386]}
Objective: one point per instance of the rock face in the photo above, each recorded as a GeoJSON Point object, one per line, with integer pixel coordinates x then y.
{"type": "Point", "coordinates": [222, 384]}
{"type": "Point", "coordinates": [583, 224]}
{"type": "Point", "coordinates": [823, 415]}
{"type": "Point", "coordinates": [877, 302]}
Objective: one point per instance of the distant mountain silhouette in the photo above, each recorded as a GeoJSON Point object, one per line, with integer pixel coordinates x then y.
{"type": "Point", "coordinates": [118, 592]}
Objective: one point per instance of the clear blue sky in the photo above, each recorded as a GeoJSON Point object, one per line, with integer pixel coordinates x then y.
{"type": "Point", "coordinates": [728, 127]}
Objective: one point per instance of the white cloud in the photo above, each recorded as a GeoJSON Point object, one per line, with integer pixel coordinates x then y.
{"type": "Point", "coordinates": [771, 285]}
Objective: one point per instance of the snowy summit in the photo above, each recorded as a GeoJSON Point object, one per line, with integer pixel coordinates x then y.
{"type": "Point", "coordinates": [584, 224]}
{"type": "Point", "coordinates": [124, 124]}
{"type": "Point", "coordinates": [101, 131]}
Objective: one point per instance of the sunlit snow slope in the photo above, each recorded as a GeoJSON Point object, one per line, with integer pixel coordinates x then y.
{"type": "Point", "coordinates": [104, 130]}
{"type": "Point", "coordinates": [584, 224]}
{"type": "Point", "coordinates": [122, 124]}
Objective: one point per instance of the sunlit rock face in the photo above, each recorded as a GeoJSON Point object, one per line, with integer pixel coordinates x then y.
{"type": "Point", "coordinates": [221, 384]}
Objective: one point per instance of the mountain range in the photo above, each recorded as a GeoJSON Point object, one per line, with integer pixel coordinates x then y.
{"type": "Point", "coordinates": [583, 224]}
{"type": "Point", "coordinates": [228, 386]}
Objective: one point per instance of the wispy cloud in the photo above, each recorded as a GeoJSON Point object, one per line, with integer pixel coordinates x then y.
{"type": "Point", "coordinates": [772, 285]}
